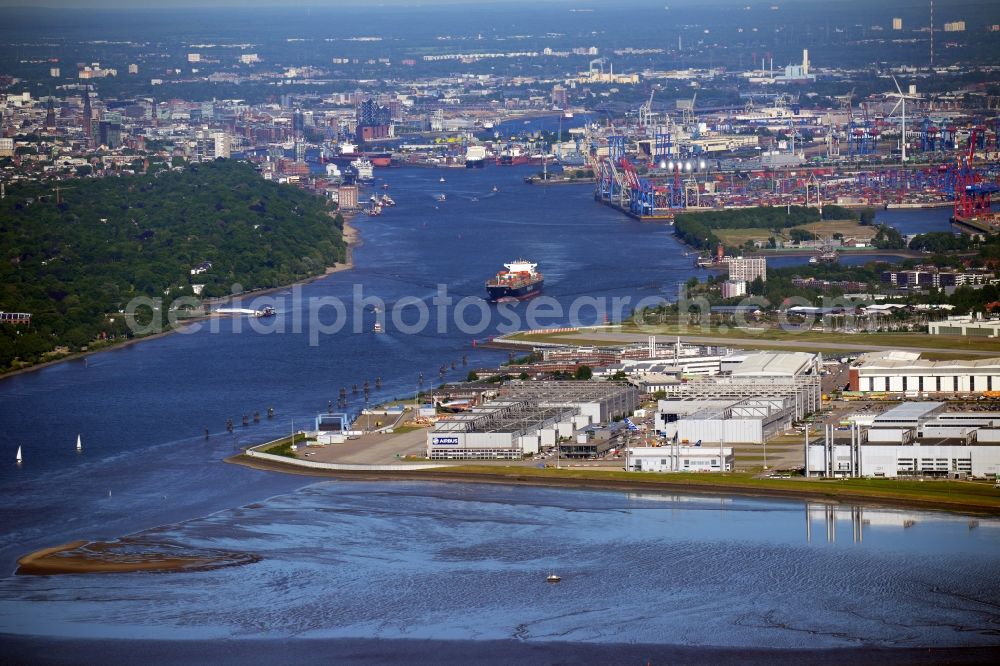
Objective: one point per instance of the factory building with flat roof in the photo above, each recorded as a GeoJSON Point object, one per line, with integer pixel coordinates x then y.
{"type": "Point", "coordinates": [912, 459]}
{"type": "Point", "coordinates": [805, 391]}
{"type": "Point", "coordinates": [748, 420]}
{"type": "Point", "coordinates": [913, 439]}
{"type": "Point", "coordinates": [527, 417]}
{"type": "Point", "coordinates": [680, 459]}
{"type": "Point", "coordinates": [924, 377]}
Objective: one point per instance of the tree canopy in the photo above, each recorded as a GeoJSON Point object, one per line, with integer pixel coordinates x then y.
{"type": "Point", "coordinates": [73, 263]}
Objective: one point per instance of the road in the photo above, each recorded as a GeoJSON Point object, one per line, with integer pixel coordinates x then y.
{"type": "Point", "coordinates": [590, 336]}
{"type": "Point", "coordinates": [371, 449]}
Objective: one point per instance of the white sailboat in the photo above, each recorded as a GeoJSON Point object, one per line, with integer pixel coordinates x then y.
{"type": "Point", "coordinates": [79, 444]}
{"type": "Point", "coordinates": [19, 458]}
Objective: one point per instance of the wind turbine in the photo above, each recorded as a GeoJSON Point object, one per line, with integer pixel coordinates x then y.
{"type": "Point", "coordinates": [901, 102]}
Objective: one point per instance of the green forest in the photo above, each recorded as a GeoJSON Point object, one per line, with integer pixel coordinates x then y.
{"type": "Point", "coordinates": [76, 262]}
{"type": "Point", "coordinates": [697, 229]}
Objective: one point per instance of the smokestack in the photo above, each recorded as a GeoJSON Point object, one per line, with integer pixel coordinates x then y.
{"type": "Point", "coordinates": [805, 62]}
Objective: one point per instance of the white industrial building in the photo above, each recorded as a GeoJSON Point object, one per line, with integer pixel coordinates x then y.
{"type": "Point", "coordinates": [527, 417]}
{"type": "Point", "coordinates": [921, 377]}
{"type": "Point", "coordinates": [795, 375]}
{"type": "Point", "coordinates": [773, 364]}
{"type": "Point", "coordinates": [602, 402]}
{"type": "Point", "coordinates": [750, 420]}
{"type": "Point", "coordinates": [685, 365]}
{"type": "Point", "coordinates": [680, 459]}
{"type": "Point", "coordinates": [914, 459]}
{"type": "Point", "coordinates": [967, 325]}
{"type": "Point", "coordinates": [501, 430]}
{"type": "Point", "coordinates": [914, 439]}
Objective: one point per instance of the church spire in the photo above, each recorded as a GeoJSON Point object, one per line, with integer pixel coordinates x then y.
{"type": "Point", "coordinates": [50, 114]}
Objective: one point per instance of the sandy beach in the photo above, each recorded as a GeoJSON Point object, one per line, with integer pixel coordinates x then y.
{"type": "Point", "coordinates": [352, 239]}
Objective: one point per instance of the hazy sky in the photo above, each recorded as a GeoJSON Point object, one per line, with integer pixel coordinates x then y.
{"type": "Point", "coordinates": [166, 4]}
{"type": "Point", "coordinates": [141, 4]}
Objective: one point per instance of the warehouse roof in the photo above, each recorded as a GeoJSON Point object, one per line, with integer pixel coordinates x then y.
{"type": "Point", "coordinates": [516, 417]}
{"type": "Point", "coordinates": [767, 364]}
{"type": "Point", "coordinates": [924, 364]}
{"type": "Point", "coordinates": [908, 411]}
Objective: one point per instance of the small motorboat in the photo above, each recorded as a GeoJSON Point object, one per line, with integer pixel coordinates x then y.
{"type": "Point", "coordinates": [552, 578]}
{"type": "Point", "coordinates": [378, 327]}
{"type": "Point", "coordinates": [496, 189]}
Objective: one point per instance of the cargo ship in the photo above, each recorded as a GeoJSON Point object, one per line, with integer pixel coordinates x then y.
{"type": "Point", "coordinates": [475, 157]}
{"type": "Point", "coordinates": [518, 281]}
{"type": "Point", "coordinates": [512, 156]}
{"type": "Point", "coordinates": [363, 169]}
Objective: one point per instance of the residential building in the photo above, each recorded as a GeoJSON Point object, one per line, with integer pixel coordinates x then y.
{"type": "Point", "coordinates": [747, 269]}
{"type": "Point", "coordinates": [734, 288]}
{"type": "Point", "coordinates": [347, 197]}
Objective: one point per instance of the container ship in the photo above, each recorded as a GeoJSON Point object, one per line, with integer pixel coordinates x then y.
{"type": "Point", "coordinates": [518, 281]}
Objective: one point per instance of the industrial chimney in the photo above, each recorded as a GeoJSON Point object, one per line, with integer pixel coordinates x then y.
{"type": "Point", "coordinates": [805, 62]}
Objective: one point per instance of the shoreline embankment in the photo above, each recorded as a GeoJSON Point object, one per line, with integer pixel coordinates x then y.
{"type": "Point", "coordinates": [832, 491]}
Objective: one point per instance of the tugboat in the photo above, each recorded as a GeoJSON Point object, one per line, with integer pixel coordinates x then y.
{"type": "Point", "coordinates": [520, 280]}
